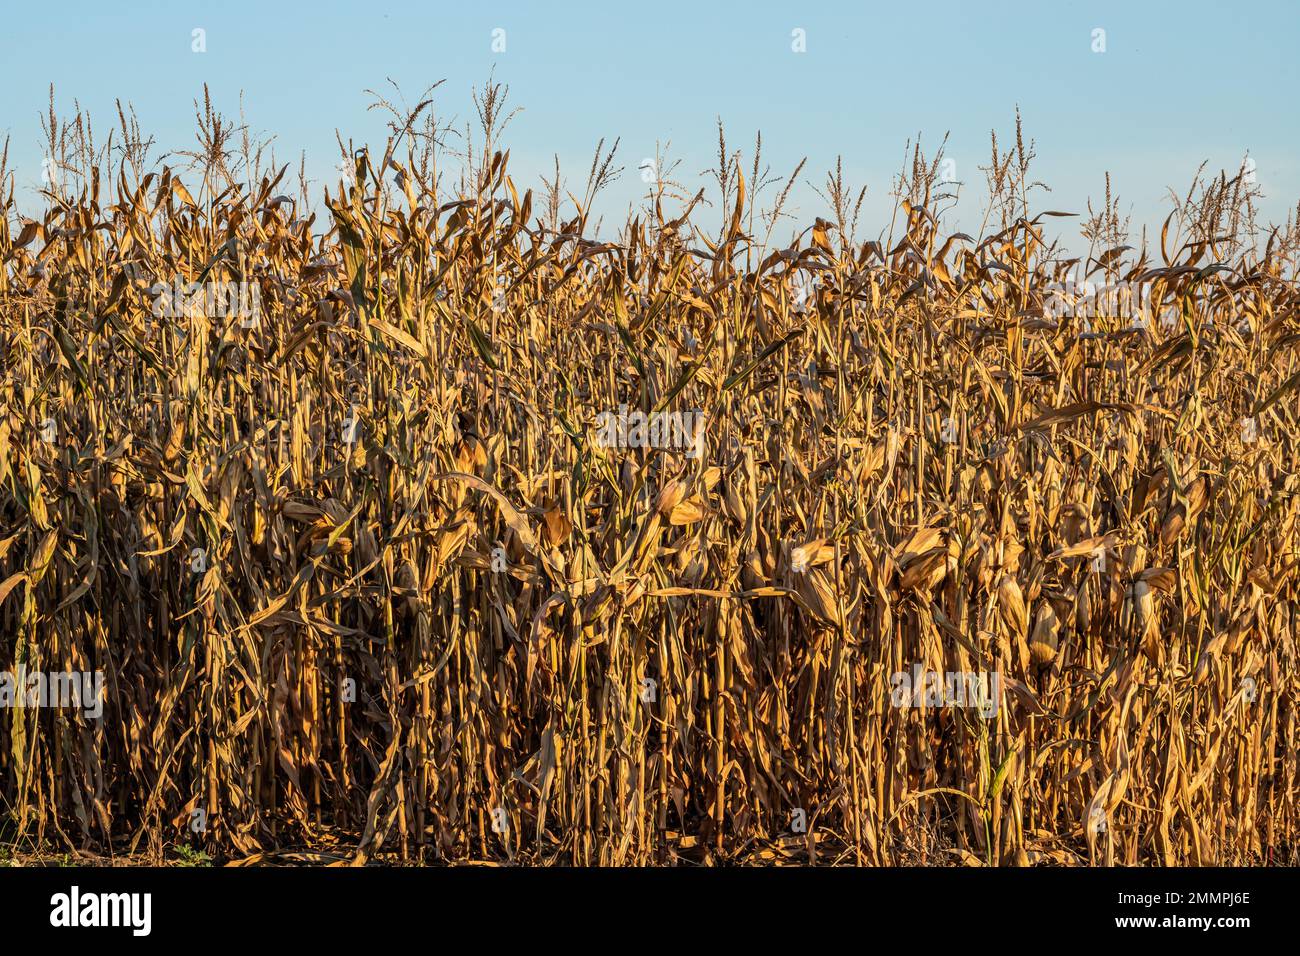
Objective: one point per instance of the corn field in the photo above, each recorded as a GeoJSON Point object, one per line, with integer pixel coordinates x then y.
{"type": "Point", "coordinates": [365, 584]}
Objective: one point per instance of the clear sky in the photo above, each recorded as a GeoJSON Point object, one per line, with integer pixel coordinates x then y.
{"type": "Point", "coordinates": [1178, 83]}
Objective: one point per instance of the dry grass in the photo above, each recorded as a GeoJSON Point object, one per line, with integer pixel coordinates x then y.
{"type": "Point", "coordinates": [916, 467]}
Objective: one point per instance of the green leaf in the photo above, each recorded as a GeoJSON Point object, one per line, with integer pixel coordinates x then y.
{"type": "Point", "coordinates": [482, 344]}
{"type": "Point", "coordinates": [767, 353]}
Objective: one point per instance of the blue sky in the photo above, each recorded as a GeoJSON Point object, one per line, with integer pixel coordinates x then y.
{"type": "Point", "coordinates": [1178, 83]}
